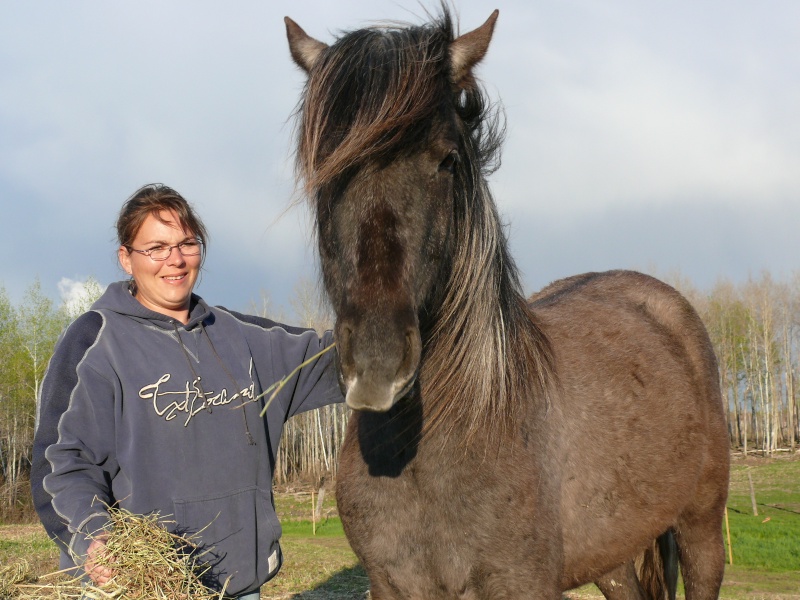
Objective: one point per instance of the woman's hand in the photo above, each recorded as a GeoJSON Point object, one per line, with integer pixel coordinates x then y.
{"type": "Point", "coordinates": [99, 574]}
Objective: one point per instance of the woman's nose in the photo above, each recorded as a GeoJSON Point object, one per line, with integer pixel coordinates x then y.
{"type": "Point", "coordinates": [175, 257]}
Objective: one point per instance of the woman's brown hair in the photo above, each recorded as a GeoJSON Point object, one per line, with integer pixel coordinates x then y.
{"type": "Point", "coordinates": [151, 199]}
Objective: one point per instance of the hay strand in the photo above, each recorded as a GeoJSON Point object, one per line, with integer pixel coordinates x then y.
{"type": "Point", "coordinates": [281, 383]}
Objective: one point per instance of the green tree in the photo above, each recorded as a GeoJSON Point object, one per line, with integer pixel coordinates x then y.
{"type": "Point", "coordinates": [88, 292]}
{"type": "Point", "coordinates": [27, 338]}
{"type": "Point", "coordinates": [12, 434]}
{"type": "Point", "coordinates": [40, 323]}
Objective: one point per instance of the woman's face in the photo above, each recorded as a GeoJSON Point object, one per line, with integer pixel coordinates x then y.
{"type": "Point", "coordinates": [164, 286]}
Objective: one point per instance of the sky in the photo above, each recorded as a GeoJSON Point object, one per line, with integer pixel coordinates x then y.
{"type": "Point", "coordinates": [655, 136]}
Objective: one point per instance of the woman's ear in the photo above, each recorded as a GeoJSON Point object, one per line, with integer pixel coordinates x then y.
{"type": "Point", "coordinates": [124, 258]}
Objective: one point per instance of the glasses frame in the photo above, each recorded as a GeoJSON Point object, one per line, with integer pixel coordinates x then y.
{"type": "Point", "coordinates": [149, 253]}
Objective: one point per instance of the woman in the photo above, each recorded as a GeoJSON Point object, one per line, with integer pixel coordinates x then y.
{"type": "Point", "coordinates": [151, 402]}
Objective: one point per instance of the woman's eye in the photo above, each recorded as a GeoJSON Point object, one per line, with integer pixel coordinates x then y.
{"type": "Point", "coordinates": [449, 162]}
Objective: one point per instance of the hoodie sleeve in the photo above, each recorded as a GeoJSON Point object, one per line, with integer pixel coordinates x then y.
{"type": "Point", "coordinates": [72, 454]}
{"type": "Point", "coordinates": [286, 348]}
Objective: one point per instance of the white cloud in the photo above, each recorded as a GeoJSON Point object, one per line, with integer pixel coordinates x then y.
{"type": "Point", "coordinates": [77, 295]}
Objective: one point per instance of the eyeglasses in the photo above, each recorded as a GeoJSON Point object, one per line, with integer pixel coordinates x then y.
{"type": "Point", "coordinates": [187, 248]}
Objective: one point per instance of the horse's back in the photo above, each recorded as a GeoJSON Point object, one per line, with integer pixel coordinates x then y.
{"type": "Point", "coordinates": [639, 413]}
{"type": "Point", "coordinates": [629, 316]}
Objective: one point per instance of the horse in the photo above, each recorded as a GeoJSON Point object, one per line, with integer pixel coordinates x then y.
{"type": "Point", "coordinates": [500, 446]}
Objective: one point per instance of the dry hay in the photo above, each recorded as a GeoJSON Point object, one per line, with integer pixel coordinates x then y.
{"type": "Point", "coordinates": [150, 564]}
{"type": "Point", "coordinates": [12, 575]}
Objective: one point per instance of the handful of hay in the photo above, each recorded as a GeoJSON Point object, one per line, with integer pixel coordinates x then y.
{"type": "Point", "coordinates": [150, 564]}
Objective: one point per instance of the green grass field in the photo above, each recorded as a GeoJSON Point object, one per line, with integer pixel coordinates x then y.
{"type": "Point", "coordinates": [771, 539]}
{"type": "Point", "coordinates": [766, 547]}
{"type": "Point", "coordinates": [319, 565]}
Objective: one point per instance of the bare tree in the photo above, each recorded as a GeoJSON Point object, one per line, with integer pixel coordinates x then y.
{"type": "Point", "coordinates": [310, 444]}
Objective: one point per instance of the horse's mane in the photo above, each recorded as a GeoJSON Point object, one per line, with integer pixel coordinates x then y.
{"type": "Point", "coordinates": [486, 354]}
{"type": "Point", "coordinates": [374, 95]}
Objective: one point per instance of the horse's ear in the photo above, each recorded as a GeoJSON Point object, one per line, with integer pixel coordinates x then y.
{"type": "Point", "coordinates": [305, 49]}
{"type": "Point", "coordinates": [467, 50]}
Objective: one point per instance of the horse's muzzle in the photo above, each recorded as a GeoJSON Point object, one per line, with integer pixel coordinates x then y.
{"type": "Point", "coordinates": [377, 370]}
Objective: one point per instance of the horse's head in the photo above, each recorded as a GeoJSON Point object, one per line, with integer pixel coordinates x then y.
{"type": "Point", "coordinates": [384, 142]}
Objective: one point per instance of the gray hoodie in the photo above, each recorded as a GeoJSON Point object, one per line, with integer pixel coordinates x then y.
{"type": "Point", "coordinates": [140, 411]}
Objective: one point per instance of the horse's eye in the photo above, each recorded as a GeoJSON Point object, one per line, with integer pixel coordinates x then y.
{"type": "Point", "coordinates": [449, 162]}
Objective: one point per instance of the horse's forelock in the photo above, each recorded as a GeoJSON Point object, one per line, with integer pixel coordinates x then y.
{"type": "Point", "coordinates": [374, 91]}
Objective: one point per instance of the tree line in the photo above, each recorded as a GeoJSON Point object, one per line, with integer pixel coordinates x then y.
{"type": "Point", "coordinates": [754, 327]}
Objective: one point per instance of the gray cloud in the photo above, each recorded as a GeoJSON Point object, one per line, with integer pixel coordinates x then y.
{"type": "Point", "coordinates": [637, 135]}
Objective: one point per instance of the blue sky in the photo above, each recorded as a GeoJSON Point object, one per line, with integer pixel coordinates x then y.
{"type": "Point", "coordinates": [640, 135]}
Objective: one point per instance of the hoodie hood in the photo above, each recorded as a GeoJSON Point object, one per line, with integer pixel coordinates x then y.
{"type": "Point", "coordinates": [118, 298]}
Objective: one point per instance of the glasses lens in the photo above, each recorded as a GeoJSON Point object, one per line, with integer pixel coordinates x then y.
{"type": "Point", "coordinates": [190, 248]}
{"type": "Point", "coordinates": [160, 253]}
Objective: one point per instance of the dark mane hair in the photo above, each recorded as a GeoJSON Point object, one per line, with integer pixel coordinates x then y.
{"type": "Point", "coordinates": [375, 94]}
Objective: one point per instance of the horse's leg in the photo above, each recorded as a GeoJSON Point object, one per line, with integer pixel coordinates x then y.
{"type": "Point", "coordinates": [701, 550]}
{"type": "Point", "coordinates": [621, 583]}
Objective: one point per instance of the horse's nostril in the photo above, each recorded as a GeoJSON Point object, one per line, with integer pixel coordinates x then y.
{"type": "Point", "coordinates": [412, 343]}
{"type": "Point", "coordinates": [411, 355]}
{"type": "Point", "coordinates": [344, 336]}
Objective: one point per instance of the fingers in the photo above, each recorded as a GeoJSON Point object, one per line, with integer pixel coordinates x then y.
{"type": "Point", "coordinates": [100, 574]}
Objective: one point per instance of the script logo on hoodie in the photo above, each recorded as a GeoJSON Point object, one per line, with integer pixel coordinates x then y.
{"type": "Point", "coordinates": [189, 399]}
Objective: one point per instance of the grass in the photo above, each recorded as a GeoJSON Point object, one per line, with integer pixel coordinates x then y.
{"type": "Point", "coordinates": [31, 543]}
{"type": "Point", "coordinates": [770, 540]}
{"type": "Point", "coordinates": [766, 548]}
{"type": "Point", "coordinates": [295, 505]}
{"type": "Point", "coordinates": [321, 567]}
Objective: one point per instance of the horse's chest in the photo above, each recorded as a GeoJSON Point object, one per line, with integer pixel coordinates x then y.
{"type": "Point", "coordinates": [437, 532]}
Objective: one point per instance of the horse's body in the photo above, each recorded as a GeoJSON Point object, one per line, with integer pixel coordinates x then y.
{"type": "Point", "coordinates": [503, 448]}
{"type": "Point", "coordinates": [642, 442]}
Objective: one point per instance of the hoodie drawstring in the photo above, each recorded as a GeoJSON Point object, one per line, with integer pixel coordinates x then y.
{"type": "Point", "coordinates": [197, 377]}
{"type": "Point", "coordinates": [250, 439]}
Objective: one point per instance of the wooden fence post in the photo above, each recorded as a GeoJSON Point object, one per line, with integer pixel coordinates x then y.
{"type": "Point", "coordinates": [752, 494]}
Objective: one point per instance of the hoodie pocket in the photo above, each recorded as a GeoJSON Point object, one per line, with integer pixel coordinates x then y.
{"type": "Point", "coordinates": [237, 533]}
